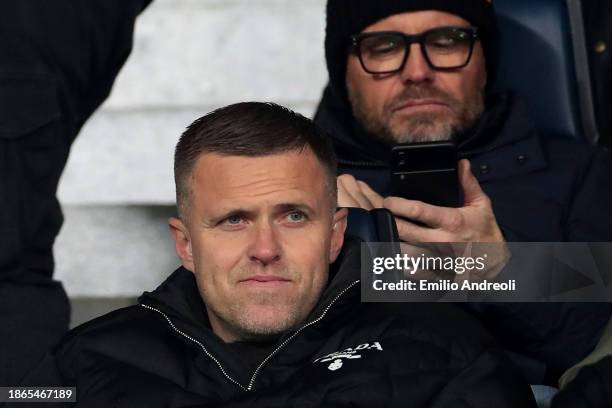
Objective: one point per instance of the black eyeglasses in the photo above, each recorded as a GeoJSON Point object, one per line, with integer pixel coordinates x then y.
{"type": "Point", "coordinates": [386, 52]}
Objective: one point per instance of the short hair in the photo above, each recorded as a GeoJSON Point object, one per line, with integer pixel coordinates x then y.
{"type": "Point", "coordinates": [250, 129]}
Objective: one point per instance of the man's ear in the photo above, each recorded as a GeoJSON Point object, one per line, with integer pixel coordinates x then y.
{"type": "Point", "coordinates": [338, 229]}
{"type": "Point", "coordinates": [182, 242]}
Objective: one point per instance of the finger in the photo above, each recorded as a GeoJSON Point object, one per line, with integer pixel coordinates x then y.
{"type": "Point", "coordinates": [417, 234]}
{"type": "Point", "coordinates": [344, 198]}
{"type": "Point", "coordinates": [352, 186]}
{"type": "Point", "coordinates": [373, 197]}
{"type": "Point", "coordinates": [430, 215]}
{"type": "Point", "coordinates": [472, 192]}
{"type": "Point", "coordinates": [352, 193]}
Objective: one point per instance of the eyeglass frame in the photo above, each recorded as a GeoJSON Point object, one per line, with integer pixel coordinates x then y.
{"type": "Point", "coordinates": [410, 39]}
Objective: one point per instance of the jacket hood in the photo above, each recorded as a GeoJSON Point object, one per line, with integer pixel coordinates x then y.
{"type": "Point", "coordinates": [179, 298]}
{"type": "Point", "coordinates": [356, 147]}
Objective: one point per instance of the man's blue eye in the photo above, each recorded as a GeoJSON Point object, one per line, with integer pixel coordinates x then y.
{"type": "Point", "coordinates": [233, 220]}
{"type": "Point", "coordinates": [296, 216]}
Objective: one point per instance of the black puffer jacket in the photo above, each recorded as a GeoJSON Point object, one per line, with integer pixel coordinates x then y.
{"type": "Point", "coordinates": [162, 353]}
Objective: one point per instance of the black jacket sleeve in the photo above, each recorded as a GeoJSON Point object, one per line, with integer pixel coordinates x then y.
{"type": "Point", "coordinates": [59, 61]}
{"type": "Point", "coordinates": [590, 216]}
{"type": "Point", "coordinates": [46, 374]}
{"type": "Point", "coordinates": [486, 383]}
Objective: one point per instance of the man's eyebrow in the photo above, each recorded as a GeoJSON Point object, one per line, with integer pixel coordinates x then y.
{"type": "Point", "coordinates": [284, 207]}
{"type": "Point", "coordinates": [236, 212]}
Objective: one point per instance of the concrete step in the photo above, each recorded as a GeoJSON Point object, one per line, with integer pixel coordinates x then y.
{"type": "Point", "coordinates": [114, 251]}
{"type": "Point", "coordinates": [194, 52]}
{"type": "Point", "coordinates": [126, 157]}
{"type": "Point", "coordinates": [85, 309]}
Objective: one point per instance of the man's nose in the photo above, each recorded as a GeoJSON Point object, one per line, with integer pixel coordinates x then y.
{"type": "Point", "coordinates": [265, 247]}
{"type": "Point", "coordinates": [416, 68]}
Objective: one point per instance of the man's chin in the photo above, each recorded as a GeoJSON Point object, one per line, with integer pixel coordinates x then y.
{"type": "Point", "coordinates": [423, 134]}
{"type": "Point", "coordinates": [266, 322]}
{"type": "Point", "coordinates": [423, 128]}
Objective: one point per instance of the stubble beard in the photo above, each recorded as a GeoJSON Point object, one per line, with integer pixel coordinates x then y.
{"type": "Point", "coordinates": [418, 127]}
{"type": "Point", "coordinates": [239, 317]}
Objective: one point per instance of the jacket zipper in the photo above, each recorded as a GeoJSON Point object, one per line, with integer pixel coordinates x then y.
{"type": "Point", "coordinates": [196, 342]}
{"type": "Point", "coordinates": [276, 350]}
{"type": "Point", "coordinates": [288, 339]}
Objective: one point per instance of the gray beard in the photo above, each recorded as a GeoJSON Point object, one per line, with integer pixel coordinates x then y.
{"type": "Point", "coordinates": [425, 127]}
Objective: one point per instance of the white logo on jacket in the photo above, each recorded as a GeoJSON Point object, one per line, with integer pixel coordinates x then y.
{"type": "Point", "coordinates": [349, 354]}
{"type": "Point", "coordinates": [335, 365]}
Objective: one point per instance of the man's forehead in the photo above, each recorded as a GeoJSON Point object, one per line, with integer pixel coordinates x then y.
{"type": "Point", "coordinates": [413, 22]}
{"type": "Point", "coordinates": [244, 167]}
{"type": "Point", "coordinates": [296, 174]}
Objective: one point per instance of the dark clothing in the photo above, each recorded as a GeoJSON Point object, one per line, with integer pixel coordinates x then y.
{"type": "Point", "coordinates": [348, 354]}
{"type": "Point", "coordinates": [598, 29]}
{"type": "Point", "coordinates": [592, 388]}
{"type": "Point", "coordinates": [59, 61]}
{"type": "Point", "coordinates": [542, 189]}
{"type": "Point", "coordinates": [251, 353]}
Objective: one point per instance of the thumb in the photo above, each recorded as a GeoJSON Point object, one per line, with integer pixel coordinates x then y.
{"type": "Point", "coordinates": [470, 186]}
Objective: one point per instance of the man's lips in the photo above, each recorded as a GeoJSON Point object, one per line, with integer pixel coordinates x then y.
{"type": "Point", "coordinates": [264, 280]}
{"type": "Point", "coordinates": [420, 104]}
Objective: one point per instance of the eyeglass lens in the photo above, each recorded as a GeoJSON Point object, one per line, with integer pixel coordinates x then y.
{"type": "Point", "coordinates": [385, 52]}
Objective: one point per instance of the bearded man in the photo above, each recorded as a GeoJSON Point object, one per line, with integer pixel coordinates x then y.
{"type": "Point", "coordinates": [405, 71]}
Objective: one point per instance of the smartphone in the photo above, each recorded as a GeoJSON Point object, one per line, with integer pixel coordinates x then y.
{"type": "Point", "coordinates": [426, 172]}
